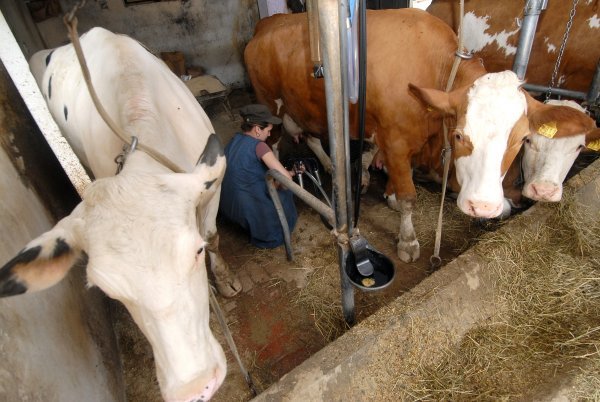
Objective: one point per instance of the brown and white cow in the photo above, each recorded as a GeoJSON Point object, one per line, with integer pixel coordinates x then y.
{"type": "Point", "coordinates": [410, 54]}
{"type": "Point", "coordinates": [144, 232]}
{"type": "Point", "coordinates": [560, 130]}
{"type": "Point", "coordinates": [557, 136]}
{"type": "Point", "coordinates": [491, 30]}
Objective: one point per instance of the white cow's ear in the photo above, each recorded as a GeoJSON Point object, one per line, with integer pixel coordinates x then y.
{"type": "Point", "coordinates": [45, 260]}
{"type": "Point", "coordinates": [434, 99]}
{"type": "Point", "coordinates": [212, 161]}
{"type": "Point", "coordinates": [208, 172]}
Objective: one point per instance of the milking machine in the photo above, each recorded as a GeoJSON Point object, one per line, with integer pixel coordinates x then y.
{"type": "Point", "coordinates": [332, 26]}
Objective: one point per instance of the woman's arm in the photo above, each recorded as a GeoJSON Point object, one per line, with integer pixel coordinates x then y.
{"type": "Point", "coordinates": [273, 163]}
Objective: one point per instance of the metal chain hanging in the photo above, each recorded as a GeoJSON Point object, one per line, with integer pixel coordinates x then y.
{"type": "Point", "coordinates": [562, 49]}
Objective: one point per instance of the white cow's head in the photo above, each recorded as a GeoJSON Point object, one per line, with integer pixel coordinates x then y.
{"type": "Point", "coordinates": [560, 130]}
{"type": "Point", "coordinates": [490, 128]}
{"type": "Point", "coordinates": [140, 236]}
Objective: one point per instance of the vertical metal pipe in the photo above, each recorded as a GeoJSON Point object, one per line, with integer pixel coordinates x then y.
{"type": "Point", "coordinates": [344, 144]}
{"type": "Point", "coordinates": [313, 31]}
{"type": "Point", "coordinates": [330, 28]}
{"type": "Point", "coordinates": [533, 8]}
{"type": "Point", "coordinates": [282, 218]}
{"type": "Point", "coordinates": [362, 99]}
{"type": "Point", "coordinates": [594, 92]}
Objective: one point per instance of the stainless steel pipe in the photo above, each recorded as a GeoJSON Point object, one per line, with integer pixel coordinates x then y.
{"type": "Point", "coordinates": [332, 17]}
{"type": "Point", "coordinates": [533, 8]}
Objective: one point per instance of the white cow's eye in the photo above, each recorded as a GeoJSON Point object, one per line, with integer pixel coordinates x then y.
{"type": "Point", "coordinates": [526, 140]}
{"type": "Point", "coordinates": [200, 250]}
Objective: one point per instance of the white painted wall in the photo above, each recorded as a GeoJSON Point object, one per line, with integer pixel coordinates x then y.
{"type": "Point", "coordinates": [269, 7]}
{"type": "Point", "coordinates": [46, 352]}
{"type": "Point", "coordinates": [211, 34]}
{"type": "Point", "coordinates": [422, 4]}
{"type": "Point", "coordinates": [56, 345]}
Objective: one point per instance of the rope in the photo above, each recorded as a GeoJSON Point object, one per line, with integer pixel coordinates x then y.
{"type": "Point", "coordinates": [219, 313]}
{"type": "Point", "coordinates": [435, 260]}
{"type": "Point", "coordinates": [70, 22]}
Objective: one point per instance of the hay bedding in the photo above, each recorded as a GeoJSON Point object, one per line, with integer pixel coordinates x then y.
{"type": "Point", "coordinates": [547, 327]}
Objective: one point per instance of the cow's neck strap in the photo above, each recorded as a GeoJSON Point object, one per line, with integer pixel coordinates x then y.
{"type": "Point", "coordinates": [71, 22]}
{"type": "Point", "coordinates": [127, 149]}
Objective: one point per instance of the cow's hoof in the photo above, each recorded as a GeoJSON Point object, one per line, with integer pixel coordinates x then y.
{"type": "Point", "coordinates": [409, 251]}
{"type": "Point", "coordinates": [228, 286]}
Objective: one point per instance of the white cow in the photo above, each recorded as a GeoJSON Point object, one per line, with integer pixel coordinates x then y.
{"type": "Point", "coordinates": [144, 231]}
{"type": "Point", "coordinates": [557, 137]}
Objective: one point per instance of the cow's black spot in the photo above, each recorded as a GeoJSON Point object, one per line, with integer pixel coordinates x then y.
{"type": "Point", "coordinates": [66, 112]}
{"type": "Point", "coordinates": [60, 248]}
{"type": "Point", "coordinates": [50, 87]}
{"type": "Point", "coordinates": [212, 151]}
{"type": "Point", "coordinates": [11, 287]}
{"type": "Point", "coordinates": [83, 260]}
{"type": "Point", "coordinates": [24, 257]}
{"type": "Point", "coordinates": [208, 184]}
{"type": "Point", "coordinates": [48, 58]}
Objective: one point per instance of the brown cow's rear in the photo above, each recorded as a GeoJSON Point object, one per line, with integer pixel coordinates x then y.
{"type": "Point", "coordinates": [410, 54]}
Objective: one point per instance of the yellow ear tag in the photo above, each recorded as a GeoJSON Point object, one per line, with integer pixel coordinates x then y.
{"type": "Point", "coordinates": [594, 145]}
{"type": "Point", "coordinates": [548, 129]}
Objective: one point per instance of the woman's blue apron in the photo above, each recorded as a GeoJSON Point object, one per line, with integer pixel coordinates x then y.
{"type": "Point", "coordinates": [245, 198]}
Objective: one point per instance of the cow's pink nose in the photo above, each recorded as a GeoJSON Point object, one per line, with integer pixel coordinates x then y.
{"type": "Point", "coordinates": [203, 395]}
{"type": "Point", "coordinates": [484, 209]}
{"type": "Point", "coordinates": [544, 191]}
{"type": "Point", "coordinates": [209, 390]}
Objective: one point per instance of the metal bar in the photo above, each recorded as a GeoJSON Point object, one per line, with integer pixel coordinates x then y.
{"type": "Point", "coordinates": [313, 31]}
{"type": "Point", "coordinates": [362, 99]}
{"type": "Point", "coordinates": [594, 92]}
{"type": "Point", "coordinates": [533, 8]}
{"type": "Point", "coordinates": [317, 184]}
{"type": "Point", "coordinates": [304, 195]}
{"type": "Point", "coordinates": [331, 51]}
{"type": "Point", "coordinates": [556, 91]}
{"type": "Point", "coordinates": [344, 144]}
{"type": "Point", "coordinates": [287, 238]}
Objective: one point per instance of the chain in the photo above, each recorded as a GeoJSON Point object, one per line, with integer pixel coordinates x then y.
{"type": "Point", "coordinates": [562, 49]}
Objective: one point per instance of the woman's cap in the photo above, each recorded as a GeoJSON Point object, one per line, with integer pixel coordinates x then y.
{"type": "Point", "coordinates": [257, 114]}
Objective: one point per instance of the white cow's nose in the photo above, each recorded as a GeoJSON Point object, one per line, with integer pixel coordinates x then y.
{"type": "Point", "coordinates": [545, 191]}
{"type": "Point", "coordinates": [209, 390]}
{"type": "Point", "coordinates": [200, 395]}
{"type": "Point", "coordinates": [483, 209]}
